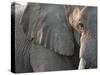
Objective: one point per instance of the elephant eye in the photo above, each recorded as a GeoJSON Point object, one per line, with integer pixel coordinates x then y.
{"type": "Point", "coordinates": [80, 26]}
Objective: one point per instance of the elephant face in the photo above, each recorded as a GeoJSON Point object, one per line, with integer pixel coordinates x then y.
{"type": "Point", "coordinates": [77, 19]}
{"type": "Point", "coordinates": [45, 23]}
{"type": "Point", "coordinates": [84, 21]}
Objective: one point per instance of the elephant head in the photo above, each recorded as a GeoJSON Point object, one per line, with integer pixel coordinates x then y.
{"type": "Point", "coordinates": [84, 21]}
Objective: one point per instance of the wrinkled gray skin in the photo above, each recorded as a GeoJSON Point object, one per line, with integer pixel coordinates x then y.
{"type": "Point", "coordinates": [22, 46]}
{"type": "Point", "coordinates": [86, 25]}
{"type": "Point", "coordinates": [90, 54]}
{"type": "Point", "coordinates": [58, 49]}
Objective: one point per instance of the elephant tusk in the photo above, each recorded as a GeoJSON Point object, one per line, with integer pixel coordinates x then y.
{"type": "Point", "coordinates": [82, 64]}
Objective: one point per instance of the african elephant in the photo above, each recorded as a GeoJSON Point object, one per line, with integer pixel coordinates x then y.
{"type": "Point", "coordinates": [84, 21]}
{"type": "Point", "coordinates": [43, 40]}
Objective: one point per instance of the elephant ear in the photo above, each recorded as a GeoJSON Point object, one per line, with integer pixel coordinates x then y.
{"type": "Point", "coordinates": [29, 19]}
{"type": "Point", "coordinates": [75, 16]}
{"type": "Point", "coordinates": [56, 34]}
{"type": "Point", "coordinates": [58, 39]}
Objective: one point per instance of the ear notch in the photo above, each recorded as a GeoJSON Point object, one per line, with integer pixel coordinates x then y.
{"type": "Point", "coordinates": [75, 16]}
